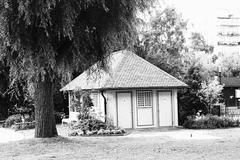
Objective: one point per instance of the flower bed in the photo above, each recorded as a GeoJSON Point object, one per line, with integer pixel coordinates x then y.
{"type": "Point", "coordinates": [89, 123]}
{"type": "Point", "coordinates": [95, 127]}
{"type": "Point", "coordinates": [101, 132]}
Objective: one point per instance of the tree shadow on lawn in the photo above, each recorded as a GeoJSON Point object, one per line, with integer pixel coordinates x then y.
{"type": "Point", "coordinates": [38, 147]}
{"type": "Point", "coordinates": [58, 139]}
{"type": "Point", "coordinates": [61, 141]}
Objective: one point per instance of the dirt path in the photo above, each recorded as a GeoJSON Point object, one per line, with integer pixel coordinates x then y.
{"type": "Point", "coordinates": [8, 135]}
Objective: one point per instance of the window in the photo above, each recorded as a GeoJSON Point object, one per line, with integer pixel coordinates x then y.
{"type": "Point", "coordinates": [94, 97]}
{"type": "Point", "coordinates": [75, 101]}
{"type": "Point", "coordinates": [71, 102]}
{"type": "Point", "coordinates": [96, 104]}
{"type": "Point", "coordinates": [144, 98]}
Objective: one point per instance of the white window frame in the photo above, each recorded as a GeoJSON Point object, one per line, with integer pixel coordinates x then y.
{"type": "Point", "coordinates": [147, 99]}
{"type": "Point", "coordinates": [96, 102]}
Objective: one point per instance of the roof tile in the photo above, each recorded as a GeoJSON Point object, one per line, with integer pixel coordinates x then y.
{"type": "Point", "coordinates": [126, 70]}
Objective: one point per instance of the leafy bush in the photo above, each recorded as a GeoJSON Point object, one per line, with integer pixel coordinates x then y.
{"type": "Point", "coordinates": [210, 122]}
{"type": "Point", "coordinates": [85, 108]}
{"type": "Point", "coordinates": [23, 126]}
{"type": "Point", "coordinates": [12, 120]}
{"type": "Point", "coordinates": [58, 117]}
{"type": "Point", "coordinates": [189, 102]}
{"type": "Point", "coordinates": [91, 124]}
{"type": "Point", "coordinates": [94, 126]}
{"type": "Point", "coordinates": [88, 124]}
{"type": "Point", "coordinates": [210, 94]}
{"type": "Point", "coordinates": [17, 118]}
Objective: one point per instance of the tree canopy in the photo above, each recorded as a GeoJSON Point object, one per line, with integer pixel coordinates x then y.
{"type": "Point", "coordinates": [163, 44]}
{"type": "Point", "coordinates": [44, 38]}
{"type": "Point", "coordinates": [210, 94]}
{"type": "Point", "coordinates": [65, 35]}
{"type": "Point", "coordinates": [230, 65]}
{"type": "Point", "coordinates": [198, 43]}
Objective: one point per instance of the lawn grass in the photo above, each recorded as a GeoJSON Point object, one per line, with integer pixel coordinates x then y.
{"type": "Point", "coordinates": [152, 147]}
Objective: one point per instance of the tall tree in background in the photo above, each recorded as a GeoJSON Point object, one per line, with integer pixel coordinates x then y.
{"type": "Point", "coordinates": [189, 102]}
{"type": "Point", "coordinates": [230, 65]}
{"type": "Point", "coordinates": [210, 94]}
{"type": "Point", "coordinates": [198, 43]}
{"type": "Point", "coordinates": [42, 39]}
{"type": "Point", "coordinates": [163, 44]}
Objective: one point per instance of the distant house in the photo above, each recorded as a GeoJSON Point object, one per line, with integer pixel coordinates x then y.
{"type": "Point", "coordinates": [133, 93]}
{"type": "Point", "coordinates": [231, 95]}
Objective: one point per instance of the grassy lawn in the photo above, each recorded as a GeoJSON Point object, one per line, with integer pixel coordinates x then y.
{"type": "Point", "coordinates": [175, 145]}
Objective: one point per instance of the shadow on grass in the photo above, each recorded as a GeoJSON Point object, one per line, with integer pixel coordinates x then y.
{"type": "Point", "coordinates": [58, 139]}
{"type": "Point", "coordinates": [53, 140]}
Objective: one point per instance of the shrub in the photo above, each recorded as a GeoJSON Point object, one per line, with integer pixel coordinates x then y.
{"type": "Point", "coordinates": [210, 122]}
{"type": "Point", "coordinates": [94, 126]}
{"type": "Point", "coordinates": [17, 118]}
{"type": "Point", "coordinates": [23, 126]}
{"type": "Point", "coordinates": [85, 108]}
{"type": "Point", "coordinates": [12, 120]}
{"type": "Point", "coordinates": [210, 94]}
{"type": "Point", "coordinates": [58, 117]}
{"type": "Point", "coordinates": [90, 124]}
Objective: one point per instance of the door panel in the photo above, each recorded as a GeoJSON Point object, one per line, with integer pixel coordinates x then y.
{"type": "Point", "coordinates": [124, 110]}
{"type": "Point", "coordinates": [144, 108]}
{"type": "Point", "coordinates": [165, 108]}
{"type": "Point", "coordinates": [145, 116]}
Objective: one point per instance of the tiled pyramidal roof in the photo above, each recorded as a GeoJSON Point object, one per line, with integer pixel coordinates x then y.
{"type": "Point", "coordinates": [125, 70]}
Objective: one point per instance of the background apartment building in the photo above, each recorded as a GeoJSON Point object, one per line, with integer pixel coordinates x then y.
{"type": "Point", "coordinates": [228, 33]}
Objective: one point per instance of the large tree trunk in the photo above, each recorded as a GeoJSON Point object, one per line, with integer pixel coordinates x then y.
{"type": "Point", "coordinates": [45, 121]}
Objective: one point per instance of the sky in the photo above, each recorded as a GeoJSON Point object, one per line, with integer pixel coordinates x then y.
{"type": "Point", "coordinates": [201, 14]}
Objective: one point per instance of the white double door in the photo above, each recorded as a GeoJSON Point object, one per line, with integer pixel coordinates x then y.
{"type": "Point", "coordinates": [144, 116]}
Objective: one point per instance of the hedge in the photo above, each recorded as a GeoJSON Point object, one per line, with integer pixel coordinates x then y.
{"type": "Point", "coordinates": [210, 122]}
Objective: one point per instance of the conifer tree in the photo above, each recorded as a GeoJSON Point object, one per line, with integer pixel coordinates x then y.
{"type": "Point", "coordinates": [44, 38]}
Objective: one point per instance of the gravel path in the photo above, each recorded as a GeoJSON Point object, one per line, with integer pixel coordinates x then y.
{"type": "Point", "coordinates": [8, 135]}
